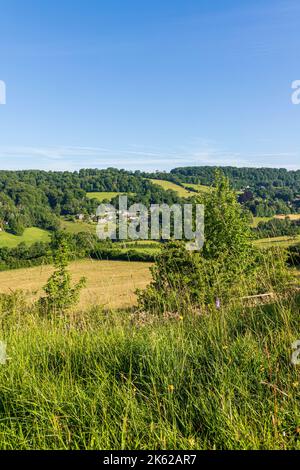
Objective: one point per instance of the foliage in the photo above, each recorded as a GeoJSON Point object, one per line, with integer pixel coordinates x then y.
{"type": "Point", "coordinates": [179, 280]}
{"type": "Point", "coordinates": [277, 228]}
{"type": "Point", "coordinates": [60, 293]}
{"type": "Point", "coordinates": [294, 255]}
{"type": "Point", "coordinates": [25, 255]}
{"type": "Point", "coordinates": [263, 191]}
{"type": "Point", "coordinates": [228, 267]}
{"type": "Point", "coordinates": [36, 198]}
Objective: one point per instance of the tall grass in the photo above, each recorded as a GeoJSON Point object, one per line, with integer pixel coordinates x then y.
{"type": "Point", "coordinates": [99, 380]}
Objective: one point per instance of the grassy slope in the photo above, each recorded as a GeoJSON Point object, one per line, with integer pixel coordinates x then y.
{"type": "Point", "coordinates": [101, 196]}
{"type": "Point", "coordinates": [109, 283]}
{"type": "Point", "coordinates": [182, 192]}
{"type": "Point", "coordinates": [283, 242]}
{"type": "Point", "coordinates": [200, 188]}
{"type": "Point", "coordinates": [30, 235]}
{"type": "Point", "coordinates": [34, 234]}
{"type": "Point", "coordinates": [218, 381]}
{"type": "Point", "coordinates": [290, 216]}
{"type": "Point", "coordinates": [257, 220]}
{"type": "Point", "coordinates": [77, 227]}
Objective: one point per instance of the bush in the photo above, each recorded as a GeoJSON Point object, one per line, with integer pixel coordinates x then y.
{"type": "Point", "coordinates": [60, 293]}
{"type": "Point", "coordinates": [228, 267]}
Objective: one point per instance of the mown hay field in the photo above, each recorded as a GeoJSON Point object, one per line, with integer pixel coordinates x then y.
{"type": "Point", "coordinates": [110, 284]}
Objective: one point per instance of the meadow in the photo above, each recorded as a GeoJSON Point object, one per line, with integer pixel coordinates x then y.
{"type": "Point", "coordinates": [29, 236]}
{"type": "Point", "coordinates": [257, 220]}
{"type": "Point", "coordinates": [167, 185]}
{"type": "Point", "coordinates": [94, 380]}
{"type": "Point", "coordinates": [199, 188]}
{"type": "Point", "coordinates": [283, 242]}
{"type": "Point", "coordinates": [102, 195]}
{"type": "Point", "coordinates": [186, 190]}
{"type": "Point", "coordinates": [289, 216]}
{"type": "Point", "coordinates": [77, 227]}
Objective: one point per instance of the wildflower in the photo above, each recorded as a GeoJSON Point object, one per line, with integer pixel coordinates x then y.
{"type": "Point", "coordinates": [295, 384]}
{"type": "Point", "coordinates": [171, 388]}
{"type": "Point", "coordinates": [218, 303]}
{"type": "Point", "coordinates": [181, 317]}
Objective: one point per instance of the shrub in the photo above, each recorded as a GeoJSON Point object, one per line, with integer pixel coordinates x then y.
{"type": "Point", "coordinates": [60, 293]}
{"type": "Point", "coordinates": [228, 267]}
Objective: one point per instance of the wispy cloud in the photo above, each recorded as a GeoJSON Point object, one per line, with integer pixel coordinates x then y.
{"type": "Point", "coordinates": [198, 153]}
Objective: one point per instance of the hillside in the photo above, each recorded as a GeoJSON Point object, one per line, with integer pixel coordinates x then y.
{"type": "Point", "coordinates": [30, 235]}
{"type": "Point", "coordinates": [35, 198]}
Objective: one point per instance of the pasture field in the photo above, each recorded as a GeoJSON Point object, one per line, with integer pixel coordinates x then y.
{"type": "Point", "coordinates": [257, 220]}
{"type": "Point", "coordinates": [29, 236]}
{"type": "Point", "coordinates": [142, 243]}
{"type": "Point", "coordinates": [166, 185]}
{"type": "Point", "coordinates": [102, 196]}
{"type": "Point", "coordinates": [148, 246]}
{"type": "Point", "coordinates": [110, 284]}
{"type": "Point", "coordinates": [200, 188]}
{"type": "Point", "coordinates": [77, 227]}
{"type": "Point", "coordinates": [283, 242]}
{"type": "Point", "coordinates": [140, 248]}
{"type": "Point", "coordinates": [289, 216]}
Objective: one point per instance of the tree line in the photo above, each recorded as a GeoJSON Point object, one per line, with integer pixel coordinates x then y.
{"type": "Point", "coordinates": [265, 192]}
{"type": "Point", "coordinates": [40, 198]}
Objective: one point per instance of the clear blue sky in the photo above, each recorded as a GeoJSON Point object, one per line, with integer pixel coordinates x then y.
{"type": "Point", "coordinates": [149, 84]}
